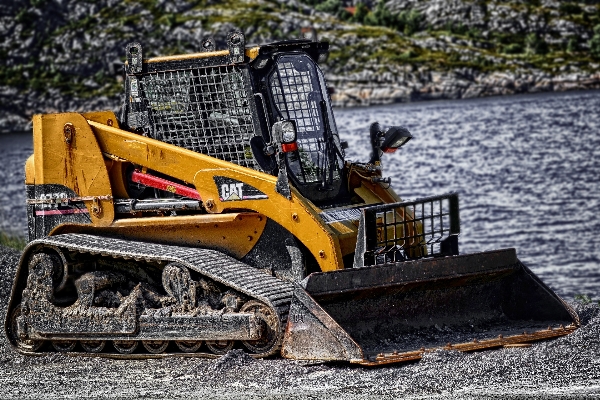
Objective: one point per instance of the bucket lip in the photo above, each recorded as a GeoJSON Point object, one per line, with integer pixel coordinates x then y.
{"type": "Point", "coordinates": [424, 269]}
{"type": "Point", "coordinates": [517, 340]}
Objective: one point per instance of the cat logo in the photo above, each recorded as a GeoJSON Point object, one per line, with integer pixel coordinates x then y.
{"type": "Point", "coordinates": [232, 191]}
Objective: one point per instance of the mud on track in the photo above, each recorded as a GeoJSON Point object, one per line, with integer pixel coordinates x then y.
{"type": "Point", "coordinates": [568, 367]}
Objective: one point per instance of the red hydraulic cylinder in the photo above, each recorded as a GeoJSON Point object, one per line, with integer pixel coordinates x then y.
{"type": "Point", "coordinates": [163, 184]}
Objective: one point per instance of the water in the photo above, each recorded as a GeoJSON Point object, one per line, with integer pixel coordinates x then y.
{"type": "Point", "coordinates": [527, 169]}
{"type": "Point", "coordinates": [14, 150]}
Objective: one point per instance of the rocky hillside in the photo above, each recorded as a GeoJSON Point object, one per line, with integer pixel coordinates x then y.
{"type": "Point", "coordinates": [61, 55]}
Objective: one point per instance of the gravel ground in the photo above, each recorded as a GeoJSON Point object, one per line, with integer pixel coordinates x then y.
{"type": "Point", "coordinates": [567, 367]}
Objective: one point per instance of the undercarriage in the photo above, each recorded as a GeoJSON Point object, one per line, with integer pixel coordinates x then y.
{"type": "Point", "coordinates": [82, 292]}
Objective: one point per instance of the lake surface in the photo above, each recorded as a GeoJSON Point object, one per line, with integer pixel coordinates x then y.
{"type": "Point", "coordinates": [527, 169]}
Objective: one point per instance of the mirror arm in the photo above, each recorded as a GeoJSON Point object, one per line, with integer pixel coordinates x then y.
{"type": "Point", "coordinates": [375, 135]}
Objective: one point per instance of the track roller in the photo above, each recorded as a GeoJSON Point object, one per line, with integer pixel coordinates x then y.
{"type": "Point", "coordinates": [189, 346]}
{"type": "Point", "coordinates": [125, 346]}
{"type": "Point", "coordinates": [270, 326]}
{"type": "Point", "coordinates": [13, 333]}
{"type": "Point", "coordinates": [220, 347]}
{"type": "Point", "coordinates": [93, 346]}
{"type": "Point", "coordinates": [64, 346]}
{"type": "Point", "coordinates": [155, 346]}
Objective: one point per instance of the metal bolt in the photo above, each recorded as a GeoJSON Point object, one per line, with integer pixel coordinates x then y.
{"type": "Point", "coordinates": [295, 217]}
{"type": "Point", "coordinates": [249, 238]}
{"type": "Point", "coordinates": [210, 203]}
{"type": "Point", "coordinates": [322, 253]}
{"type": "Point", "coordinates": [96, 207]}
{"type": "Point", "coordinates": [69, 131]}
{"type": "Point", "coordinates": [109, 122]}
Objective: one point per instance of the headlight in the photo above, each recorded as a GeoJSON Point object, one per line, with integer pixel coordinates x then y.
{"type": "Point", "coordinates": [395, 137]}
{"type": "Point", "coordinates": [284, 132]}
{"type": "Point", "coordinates": [288, 132]}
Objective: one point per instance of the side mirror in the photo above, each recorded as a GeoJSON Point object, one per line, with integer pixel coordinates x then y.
{"type": "Point", "coordinates": [389, 141]}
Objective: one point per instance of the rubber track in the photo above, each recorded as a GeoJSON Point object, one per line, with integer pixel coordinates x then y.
{"type": "Point", "coordinates": [210, 263]}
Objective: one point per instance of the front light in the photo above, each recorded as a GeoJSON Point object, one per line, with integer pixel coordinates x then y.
{"type": "Point", "coordinates": [288, 132]}
{"type": "Point", "coordinates": [284, 132]}
{"type": "Point", "coordinates": [394, 138]}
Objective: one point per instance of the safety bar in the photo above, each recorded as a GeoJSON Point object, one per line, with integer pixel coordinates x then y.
{"type": "Point", "coordinates": [409, 230]}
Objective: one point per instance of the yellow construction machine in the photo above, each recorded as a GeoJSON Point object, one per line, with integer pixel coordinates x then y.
{"type": "Point", "coordinates": [217, 210]}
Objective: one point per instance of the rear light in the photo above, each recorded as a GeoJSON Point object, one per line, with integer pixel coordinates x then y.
{"type": "Point", "coordinates": [289, 147]}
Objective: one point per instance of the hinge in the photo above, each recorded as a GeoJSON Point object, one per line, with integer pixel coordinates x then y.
{"type": "Point", "coordinates": [96, 208]}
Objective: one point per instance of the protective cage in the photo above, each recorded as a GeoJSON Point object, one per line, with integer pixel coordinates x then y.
{"type": "Point", "coordinates": [201, 104]}
{"type": "Point", "coordinates": [299, 93]}
{"type": "Point", "coordinates": [410, 230]}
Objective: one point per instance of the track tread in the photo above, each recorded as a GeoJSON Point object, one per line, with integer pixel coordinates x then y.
{"type": "Point", "coordinates": [220, 267]}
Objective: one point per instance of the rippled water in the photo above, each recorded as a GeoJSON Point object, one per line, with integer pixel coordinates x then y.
{"type": "Point", "coordinates": [527, 169]}
{"type": "Point", "coordinates": [14, 150]}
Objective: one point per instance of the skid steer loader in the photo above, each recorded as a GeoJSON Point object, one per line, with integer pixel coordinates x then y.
{"type": "Point", "coordinates": [218, 211]}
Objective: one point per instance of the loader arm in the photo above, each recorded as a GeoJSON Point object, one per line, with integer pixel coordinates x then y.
{"type": "Point", "coordinates": [295, 214]}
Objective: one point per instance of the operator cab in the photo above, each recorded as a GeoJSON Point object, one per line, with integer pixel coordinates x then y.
{"type": "Point", "coordinates": [260, 107]}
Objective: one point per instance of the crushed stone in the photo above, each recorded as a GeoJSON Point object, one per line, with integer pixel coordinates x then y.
{"type": "Point", "coordinates": [565, 368]}
{"type": "Point", "coordinates": [233, 359]}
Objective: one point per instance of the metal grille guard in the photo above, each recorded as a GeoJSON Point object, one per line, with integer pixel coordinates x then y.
{"type": "Point", "coordinates": [426, 227]}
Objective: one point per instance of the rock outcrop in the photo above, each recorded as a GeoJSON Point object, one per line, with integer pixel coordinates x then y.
{"type": "Point", "coordinates": [67, 55]}
{"type": "Point", "coordinates": [454, 85]}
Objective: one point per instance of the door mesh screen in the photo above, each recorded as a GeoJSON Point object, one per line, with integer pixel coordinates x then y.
{"type": "Point", "coordinates": [297, 96]}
